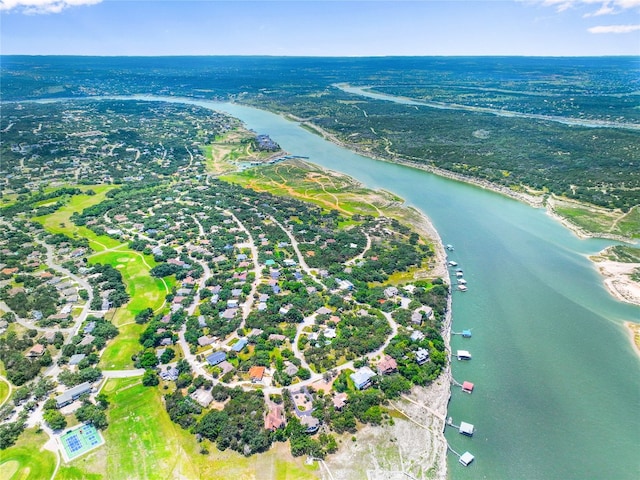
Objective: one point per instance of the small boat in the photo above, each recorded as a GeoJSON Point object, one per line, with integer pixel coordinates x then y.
{"type": "Point", "coordinates": [449, 247]}
{"type": "Point", "coordinates": [459, 274]}
{"type": "Point", "coordinates": [462, 288]}
{"type": "Point", "coordinates": [462, 281]}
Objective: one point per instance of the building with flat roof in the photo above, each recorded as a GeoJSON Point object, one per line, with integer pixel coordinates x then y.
{"type": "Point", "coordinates": [72, 394]}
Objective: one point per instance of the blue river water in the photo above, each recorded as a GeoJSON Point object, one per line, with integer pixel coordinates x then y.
{"type": "Point", "coordinates": [557, 383]}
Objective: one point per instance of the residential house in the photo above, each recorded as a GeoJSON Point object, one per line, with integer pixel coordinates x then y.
{"type": "Point", "coordinates": [387, 365]}
{"type": "Point", "coordinates": [36, 351]}
{"type": "Point", "coordinates": [362, 377]}
{"type": "Point", "coordinates": [239, 345]}
{"type": "Point", "coordinates": [339, 400]}
{"type": "Point", "coordinates": [422, 356]}
{"type": "Point", "coordinates": [216, 358]}
{"type": "Point", "coordinates": [275, 419]}
{"type": "Point", "coordinates": [256, 373]}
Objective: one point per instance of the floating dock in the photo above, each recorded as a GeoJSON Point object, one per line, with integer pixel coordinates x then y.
{"type": "Point", "coordinates": [462, 288]}
{"type": "Point", "coordinates": [452, 263]}
{"type": "Point", "coordinates": [466, 333]}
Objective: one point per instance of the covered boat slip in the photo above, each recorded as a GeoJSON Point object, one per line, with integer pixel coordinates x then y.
{"type": "Point", "coordinates": [463, 355]}
{"type": "Point", "coordinates": [466, 429]}
{"type": "Point", "coordinates": [466, 458]}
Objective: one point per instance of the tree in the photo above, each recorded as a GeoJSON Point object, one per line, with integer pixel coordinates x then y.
{"type": "Point", "coordinates": [148, 359]}
{"type": "Point", "coordinates": [92, 414]}
{"type": "Point", "coordinates": [150, 378]}
{"type": "Point", "coordinates": [54, 419]}
{"type": "Point", "coordinates": [167, 355]}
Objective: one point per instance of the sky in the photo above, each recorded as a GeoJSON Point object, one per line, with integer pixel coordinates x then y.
{"type": "Point", "coordinates": [320, 28]}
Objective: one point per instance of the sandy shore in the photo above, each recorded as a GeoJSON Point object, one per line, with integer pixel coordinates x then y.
{"type": "Point", "coordinates": [617, 278]}
{"type": "Point", "coordinates": [634, 335]}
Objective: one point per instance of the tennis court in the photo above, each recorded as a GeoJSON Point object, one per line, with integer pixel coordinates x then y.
{"type": "Point", "coordinates": [80, 440]}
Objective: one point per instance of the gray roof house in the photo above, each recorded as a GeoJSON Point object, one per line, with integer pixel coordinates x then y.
{"type": "Point", "coordinates": [216, 358]}
{"type": "Point", "coordinates": [72, 394]}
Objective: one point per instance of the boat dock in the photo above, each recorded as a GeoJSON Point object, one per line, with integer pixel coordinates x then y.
{"type": "Point", "coordinates": [464, 333]}
{"type": "Point", "coordinates": [464, 428]}
{"type": "Point", "coordinates": [463, 355]}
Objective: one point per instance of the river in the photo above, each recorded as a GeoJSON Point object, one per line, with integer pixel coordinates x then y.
{"type": "Point", "coordinates": [557, 384]}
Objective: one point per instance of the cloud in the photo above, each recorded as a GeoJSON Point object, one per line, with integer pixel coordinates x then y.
{"type": "Point", "coordinates": [606, 7]}
{"type": "Point", "coordinates": [614, 29]}
{"type": "Point", "coordinates": [42, 6]}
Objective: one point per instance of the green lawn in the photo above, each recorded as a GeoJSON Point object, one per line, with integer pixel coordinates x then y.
{"type": "Point", "coordinates": [145, 291]}
{"type": "Point", "coordinates": [4, 391]}
{"type": "Point", "coordinates": [142, 442]}
{"type": "Point", "coordinates": [60, 220]}
{"type": "Point", "coordinates": [117, 355]}
{"type": "Point", "coordinates": [598, 220]}
{"type": "Point", "coordinates": [26, 459]}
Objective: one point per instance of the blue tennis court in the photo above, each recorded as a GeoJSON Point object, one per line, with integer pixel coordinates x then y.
{"type": "Point", "coordinates": [80, 440]}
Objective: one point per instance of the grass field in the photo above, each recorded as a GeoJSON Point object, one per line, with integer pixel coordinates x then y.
{"type": "Point", "coordinates": [60, 220]}
{"type": "Point", "coordinates": [597, 220]}
{"type": "Point", "coordinates": [26, 460]}
{"type": "Point", "coordinates": [4, 390]}
{"type": "Point", "coordinates": [142, 442]}
{"type": "Point", "coordinates": [306, 182]}
{"type": "Point", "coordinates": [145, 291]}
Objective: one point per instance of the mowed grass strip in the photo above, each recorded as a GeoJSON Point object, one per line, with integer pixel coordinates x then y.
{"type": "Point", "coordinates": [142, 442]}
{"type": "Point", "coordinates": [4, 390]}
{"type": "Point", "coordinates": [27, 459]}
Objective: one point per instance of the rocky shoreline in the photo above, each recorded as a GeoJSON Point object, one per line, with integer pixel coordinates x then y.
{"type": "Point", "coordinates": [391, 451]}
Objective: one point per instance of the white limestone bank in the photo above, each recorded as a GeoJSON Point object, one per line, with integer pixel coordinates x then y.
{"type": "Point", "coordinates": [414, 442]}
